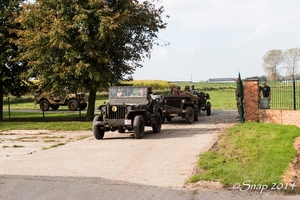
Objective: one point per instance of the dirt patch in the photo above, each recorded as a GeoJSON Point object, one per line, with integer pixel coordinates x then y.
{"type": "Point", "coordinates": [24, 142]}
{"type": "Point", "coordinates": [292, 175]}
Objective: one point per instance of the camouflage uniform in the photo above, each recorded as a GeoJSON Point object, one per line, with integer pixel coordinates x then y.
{"type": "Point", "coordinates": [237, 96]}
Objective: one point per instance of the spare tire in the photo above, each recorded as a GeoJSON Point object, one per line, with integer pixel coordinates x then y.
{"type": "Point", "coordinates": [44, 105]}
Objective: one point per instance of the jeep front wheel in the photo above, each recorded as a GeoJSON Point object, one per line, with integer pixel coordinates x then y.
{"type": "Point", "coordinates": [138, 126]}
{"type": "Point", "coordinates": [97, 131]}
{"type": "Point", "coordinates": [157, 126]}
{"type": "Point", "coordinates": [208, 109]}
{"type": "Point", "coordinates": [44, 105]}
{"type": "Point", "coordinates": [189, 115]}
{"type": "Point", "coordinates": [73, 105]}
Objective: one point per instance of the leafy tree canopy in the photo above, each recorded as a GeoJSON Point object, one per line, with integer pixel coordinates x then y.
{"type": "Point", "coordinates": [88, 43]}
{"type": "Point", "coordinates": [12, 81]}
{"type": "Point", "coordinates": [11, 78]}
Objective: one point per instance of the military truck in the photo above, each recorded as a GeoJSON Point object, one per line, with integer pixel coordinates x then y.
{"type": "Point", "coordinates": [129, 108]}
{"type": "Point", "coordinates": [73, 101]}
{"type": "Point", "coordinates": [185, 106]}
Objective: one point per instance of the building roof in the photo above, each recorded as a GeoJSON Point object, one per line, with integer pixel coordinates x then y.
{"type": "Point", "coordinates": [221, 80]}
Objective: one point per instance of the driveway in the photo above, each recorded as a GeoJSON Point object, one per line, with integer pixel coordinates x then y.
{"type": "Point", "coordinates": [74, 165]}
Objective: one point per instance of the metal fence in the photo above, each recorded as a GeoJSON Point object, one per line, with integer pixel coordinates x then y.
{"type": "Point", "coordinates": [285, 95]}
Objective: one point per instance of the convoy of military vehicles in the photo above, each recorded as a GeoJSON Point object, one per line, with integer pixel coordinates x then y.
{"type": "Point", "coordinates": [131, 108]}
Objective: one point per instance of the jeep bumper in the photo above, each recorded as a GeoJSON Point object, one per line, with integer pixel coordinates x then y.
{"type": "Point", "coordinates": [115, 122]}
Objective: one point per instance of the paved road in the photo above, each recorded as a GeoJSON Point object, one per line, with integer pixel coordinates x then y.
{"type": "Point", "coordinates": [121, 167]}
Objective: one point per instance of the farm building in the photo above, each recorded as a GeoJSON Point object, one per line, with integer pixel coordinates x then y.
{"type": "Point", "coordinates": [218, 80]}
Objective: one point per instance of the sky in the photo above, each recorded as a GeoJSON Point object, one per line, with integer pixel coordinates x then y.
{"type": "Point", "coordinates": [220, 38]}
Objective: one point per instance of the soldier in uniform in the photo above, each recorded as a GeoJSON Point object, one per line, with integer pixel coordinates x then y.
{"type": "Point", "coordinates": [237, 95]}
{"type": "Point", "coordinates": [187, 90]}
{"type": "Point", "coordinates": [179, 91]}
{"type": "Point", "coordinates": [193, 90]}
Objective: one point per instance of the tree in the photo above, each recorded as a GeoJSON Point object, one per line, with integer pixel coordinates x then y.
{"type": "Point", "coordinates": [87, 44]}
{"type": "Point", "coordinates": [291, 59]}
{"type": "Point", "coordinates": [271, 60]}
{"type": "Point", "coordinates": [12, 81]}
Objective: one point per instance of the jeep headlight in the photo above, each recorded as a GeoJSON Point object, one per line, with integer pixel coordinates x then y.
{"type": "Point", "coordinates": [103, 110]}
{"type": "Point", "coordinates": [128, 109]}
{"type": "Point", "coordinates": [182, 101]}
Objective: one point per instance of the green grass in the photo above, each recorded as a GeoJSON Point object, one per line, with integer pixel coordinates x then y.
{"type": "Point", "coordinates": [222, 99]}
{"type": "Point", "coordinates": [27, 102]}
{"type": "Point", "coordinates": [19, 114]}
{"type": "Point", "coordinates": [63, 126]}
{"type": "Point", "coordinates": [251, 151]}
{"type": "Point", "coordinates": [219, 98]}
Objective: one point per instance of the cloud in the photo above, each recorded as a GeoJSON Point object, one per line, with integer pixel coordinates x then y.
{"type": "Point", "coordinates": [224, 36]}
{"type": "Point", "coordinates": [188, 50]}
{"type": "Point", "coordinates": [230, 14]}
{"type": "Point", "coordinates": [261, 31]}
{"type": "Point", "coordinates": [161, 54]}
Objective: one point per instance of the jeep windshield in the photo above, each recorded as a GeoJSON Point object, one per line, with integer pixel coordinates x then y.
{"type": "Point", "coordinates": [128, 95]}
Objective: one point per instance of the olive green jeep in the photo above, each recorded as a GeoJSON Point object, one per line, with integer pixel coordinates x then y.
{"type": "Point", "coordinates": [185, 106]}
{"type": "Point", "coordinates": [129, 108]}
{"type": "Point", "coordinates": [73, 101]}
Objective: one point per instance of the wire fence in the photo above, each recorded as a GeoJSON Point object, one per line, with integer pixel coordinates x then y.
{"type": "Point", "coordinates": [285, 95]}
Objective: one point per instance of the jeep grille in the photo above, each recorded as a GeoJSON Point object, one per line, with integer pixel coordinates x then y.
{"type": "Point", "coordinates": [118, 114]}
{"type": "Point", "coordinates": [176, 103]}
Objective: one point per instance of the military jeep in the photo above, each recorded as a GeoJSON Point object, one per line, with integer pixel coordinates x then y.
{"type": "Point", "coordinates": [129, 108]}
{"type": "Point", "coordinates": [185, 106]}
{"type": "Point", "coordinates": [73, 101]}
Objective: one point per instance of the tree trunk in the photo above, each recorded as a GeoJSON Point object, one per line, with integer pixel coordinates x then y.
{"type": "Point", "coordinates": [1, 106]}
{"type": "Point", "coordinates": [1, 98]}
{"type": "Point", "coordinates": [91, 105]}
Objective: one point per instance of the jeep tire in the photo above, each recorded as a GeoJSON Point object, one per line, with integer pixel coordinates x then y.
{"type": "Point", "coordinates": [189, 115]}
{"type": "Point", "coordinates": [157, 126]}
{"type": "Point", "coordinates": [138, 126]}
{"type": "Point", "coordinates": [208, 109]}
{"type": "Point", "coordinates": [44, 105]}
{"type": "Point", "coordinates": [97, 131]}
{"type": "Point", "coordinates": [73, 105]}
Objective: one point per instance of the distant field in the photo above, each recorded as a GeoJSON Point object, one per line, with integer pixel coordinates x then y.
{"type": "Point", "coordinates": [222, 95]}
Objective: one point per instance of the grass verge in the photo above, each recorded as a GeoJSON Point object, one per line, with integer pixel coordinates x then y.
{"type": "Point", "coordinates": [62, 126]}
{"type": "Point", "coordinates": [39, 115]}
{"type": "Point", "coordinates": [255, 152]}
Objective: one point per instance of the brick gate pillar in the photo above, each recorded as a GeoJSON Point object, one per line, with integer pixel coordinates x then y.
{"type": "Point", "coordinates": [251, 100]}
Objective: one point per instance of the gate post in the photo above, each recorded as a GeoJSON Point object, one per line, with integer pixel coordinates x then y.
{"type": "Point", "coordinates": [251, 100]}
